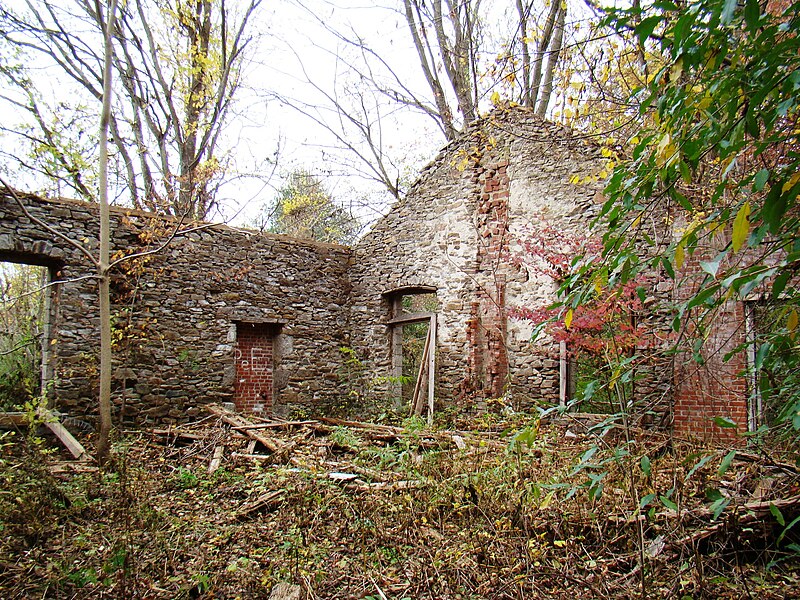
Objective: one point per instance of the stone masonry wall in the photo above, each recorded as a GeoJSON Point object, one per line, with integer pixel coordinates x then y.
{"type": "Point", "coordinates": [224, 314]}
{"type": "Point", "coordinates": [457, 230]}
{"type": "Point", "coordinates": [176, 312]}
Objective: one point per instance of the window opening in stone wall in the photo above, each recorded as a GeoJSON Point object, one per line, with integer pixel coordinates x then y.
{"type": "Point", "coordinates": [590, 395]}
{"type": "Point", "coordinates": [254, 362]}
{"type": "Point", "coordinates": [413, 338]}
{"type": "Point", "coordinates": [25, 333]}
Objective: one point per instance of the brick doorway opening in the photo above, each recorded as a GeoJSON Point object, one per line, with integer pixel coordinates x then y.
{"type": "Point", "coordinates": [254, 358]}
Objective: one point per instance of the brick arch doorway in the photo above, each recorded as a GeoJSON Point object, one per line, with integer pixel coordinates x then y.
{"type": "Point", "coordinates": [254, 359]}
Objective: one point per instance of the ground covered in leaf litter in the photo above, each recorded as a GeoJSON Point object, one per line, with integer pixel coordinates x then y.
{"type": "Point", "coordinates": [350, 510]}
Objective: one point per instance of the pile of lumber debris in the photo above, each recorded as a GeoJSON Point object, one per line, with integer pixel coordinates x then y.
{"type": "Point", "coordinates": [309, 445]}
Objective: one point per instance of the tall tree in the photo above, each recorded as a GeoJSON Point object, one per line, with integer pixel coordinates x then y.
{"type": "Point", "coordinates": [454, 58]}
{"type": "Point", "coordinates": [539, 49]}
{"type": "Point", "coordinates": [456, 50]}
{"type": "Point", "coordinates": [304, 208]}
{"type": "Point", "coordinates": [103, 275]}
{"type": "Point", "coordinates": [178, 66]}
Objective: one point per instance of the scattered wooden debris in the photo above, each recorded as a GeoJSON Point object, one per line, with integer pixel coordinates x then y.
{"type": "Point", "coordinates": [243, 424]}
{"type": "Point", "coordinates": [265, 502]}
{"type": "Point", "coordinates": [307, 446]}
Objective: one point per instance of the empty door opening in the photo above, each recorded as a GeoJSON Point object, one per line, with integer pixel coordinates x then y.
{"type": "Point", "coordinates": [27, 302]}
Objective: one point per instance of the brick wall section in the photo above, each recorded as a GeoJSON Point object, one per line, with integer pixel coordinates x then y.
{"type": "Point", "coordinates": [714, 387]}
{"type": "Point", "coordinates": [254, 367]}
{"type": "Point", "coordinates": [488, 350]}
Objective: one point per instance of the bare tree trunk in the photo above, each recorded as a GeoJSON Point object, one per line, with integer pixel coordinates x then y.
{"type": "Point", "coordinates": [103, 441]}
{"type": "Point", "coordinates": [198, 24]}
{"type": "Point", "coordinates": [414, 20]}
{"type": "Point", "coordinates": [552, 61]}
{"type": "Point", "coordinates": [541, 51]}
{"type": "Point", "coordinates": [522, 12]}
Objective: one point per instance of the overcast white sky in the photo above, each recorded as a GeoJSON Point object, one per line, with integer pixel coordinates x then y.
{"type": "Point", "coordinates": [294, 45]}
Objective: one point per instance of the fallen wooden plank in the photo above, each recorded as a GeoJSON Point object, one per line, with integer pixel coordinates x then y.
{"type": "Point", "coordinates": [252, 456]}
{"type": "Point", "coordinates": [361, 425]}
{"type": "Point", "coordinates": [268, 501]}
{"type": "Point", "coordinates": [49, 420]}
{"type": "Point", "coordinates": [65, 437]}
{"type": "Point", "coordinates": [385, 486]}
{"type": "Point", "coordinates": [286, 591]}
{"type": "Point", "coordinates": [71, 467]}
{"type": "Point", "coordinates": [216, 459]}
{"type": "Point", "coordinates": [177, 433]}
{"type": "Point", "coordinates": [276, 425]}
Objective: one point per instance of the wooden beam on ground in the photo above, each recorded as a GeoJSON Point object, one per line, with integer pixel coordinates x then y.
{"type": "Point", "coordinates": [65, 437]}
{"type": "Point", "coordinates": [276, 425]}
{"type": "Point", "coordinates": [242, 424]}
{"type": "Point", "coordinates": [13, 419]}
{"type": "Point", "coordinates": [216, 459]}
{"type": "Point", "coordinates": [49, 420]}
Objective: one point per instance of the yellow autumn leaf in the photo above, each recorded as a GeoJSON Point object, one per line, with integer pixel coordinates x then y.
{"type": "Point", "coordinates": [713, 227]}
{"type": "Point", "coordinates": [680, 256]}
{"type": "Point", "coordinates": [599, 282]}
{"type": "Point", "coordinates": [568, 318]}
{"type": "Point", "coordinates": [791, 321]}
{"type": "Point", "coordinates": [790, 184]}
{"type": "Point", "coordinates": [665, 151]}
{"type": "Point", "coordinates": [705, 102]}
{"type": "Point", "coordinates": [676, 71]}
{"type": "Point", "coordinates": [741, 227]}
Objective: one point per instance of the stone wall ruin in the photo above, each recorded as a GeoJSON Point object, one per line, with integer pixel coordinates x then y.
{"type": "Point", "coordinates": [279, 324]}
{"type": "Point", "coordinates": [176, 313]}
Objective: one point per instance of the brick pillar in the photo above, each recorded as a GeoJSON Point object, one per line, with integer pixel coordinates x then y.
{"type": "Point", "coordinates": [715, 388]}
{"type": "Point", "coordinates": [488, 358]}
